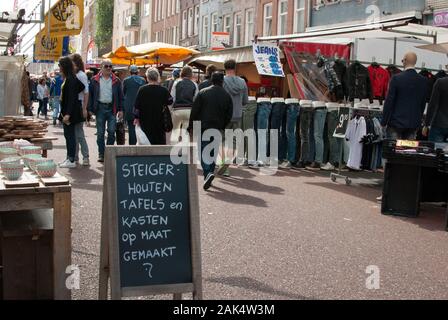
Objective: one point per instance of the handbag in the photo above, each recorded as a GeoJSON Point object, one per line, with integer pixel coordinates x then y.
{"type": "Point", "coordinates": [167, 120]}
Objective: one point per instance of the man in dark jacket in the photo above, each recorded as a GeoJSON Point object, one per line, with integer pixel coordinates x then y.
{"type": "Point", "coordinates": [106, 103]}
{"type": "Point", "coordinates": [437, 116]}
{"type": "Point", "coordinates": [213, 107]}
{"type": "Point", "coordinates": [405, 102]}
{"type": "Point", "coordinates": [131, 85]}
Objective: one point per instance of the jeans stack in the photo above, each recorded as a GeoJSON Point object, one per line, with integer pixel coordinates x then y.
{"type": "Point", "coordinates": [248, 123]}
{"type": "Point", "coordinates": [278, 130]}
{"type": "Point", "coordinates": [264, 108]}
{"type": "Point", "coordinates": [306, 124]}
{"type": "Point", "coordinates": [292, 116]}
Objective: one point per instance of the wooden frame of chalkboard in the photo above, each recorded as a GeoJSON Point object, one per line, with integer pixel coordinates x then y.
{"type": "Point", "coordinates": [110, 251]}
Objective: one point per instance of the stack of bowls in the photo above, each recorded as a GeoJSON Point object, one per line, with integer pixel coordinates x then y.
{"type": "Point", "coordinates": [12, 170]}
{"type": "Point", "coordinates": [7, 153]}
{"type": "Point", "coordinates": [7, 144]}
{"type": "Point", "coordinates": [30, 150]}
{"type": "Point", "coordinates": [46, 169]}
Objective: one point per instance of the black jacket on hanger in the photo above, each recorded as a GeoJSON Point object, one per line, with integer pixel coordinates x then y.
{"type": "Point", "coordinates": [358, 82]}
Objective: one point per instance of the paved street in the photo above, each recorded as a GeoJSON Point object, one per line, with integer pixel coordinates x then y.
{"type": "Point", "coordinates": [295, 235]}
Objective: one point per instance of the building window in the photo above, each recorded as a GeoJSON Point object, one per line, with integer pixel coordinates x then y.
{"type": "Point", "coordinates": [177, 6]}
{"type": "Point", "coordinates": [237, 31]}
{"type": "Point", "coordinates": [205, 30]}
{"type": "Point", "coordinates": [299, 16]}
{"type": "Point", "coordinates": [196, 20]}
{"type": "Point", "coordinates": [146, 8]}
{"type": "Point", "coordinates": [250, 27]}
{"type": "Point", "coordinates": [215, 22]}
{"type": "Point", "coordinates": [267, 20]}
{"type": "Point", "coordinates": [282, 17]}
{"type": "Point", "coordinates": [144, 36]}
{"type": "Point", "coordinates": [190, 21]}
{"type": "Point", "coordinates": [173, 7]}
{"type": "Point", "coordinates": [227, 23]}
{"type": "Point", "coordinates": [184, 24]}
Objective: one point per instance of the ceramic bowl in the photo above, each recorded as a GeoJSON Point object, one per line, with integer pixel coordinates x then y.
{"type": "Point", "coordinates": [7, 153]}
{"type": "Point", "coordinates": [7, 144]}
{"type": "Point", "coordinates": [11, 160]}
{"type": "Point", "coordinates": [46, 169]}
{"type": "Point", "coordinates": [12, 171]}
{"type": "Point", "coordinates": [30, 150]}
{"type": "Point", "coordinates": [36, 161]}
{"type": "Point", "coordinates": [30, 157]}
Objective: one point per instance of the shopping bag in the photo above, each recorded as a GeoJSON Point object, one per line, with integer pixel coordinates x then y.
{"type": "Point", "coordinates": [142, 139]}
{"type": "Point", "coordinates": [120, 133]}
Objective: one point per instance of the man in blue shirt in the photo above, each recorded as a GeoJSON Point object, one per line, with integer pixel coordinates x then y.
{"type": "Point", "coordinates": [55, 94]}
{"type": "Point", "coordinates": [131, 85]}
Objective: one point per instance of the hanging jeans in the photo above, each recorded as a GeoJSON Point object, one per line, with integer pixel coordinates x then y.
{"type": "Point", "coordinates": [334, 143]}
{"type": "Point", "coordinates": [248, 123]}
{"type": "Point", "coordinates": [320, 115]}
{"type": "Point", "coordinates": [263, 114]}
{"type": "Point", "coordinates": [292, 114]}
{"type": "Point", "coordinates": [105, 116]}
{"type": "Point", "coordinates": [306, 117]}
{"type": "Point", "coordinates": [278, 123]}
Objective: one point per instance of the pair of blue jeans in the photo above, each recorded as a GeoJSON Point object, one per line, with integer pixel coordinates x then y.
{"type": "Point", "coordinates": [105, 117]}
{"type": "Point", "coordinates": [306, 150]}
{"type": "Point", "coordinates": [56, 107]}
{"type": "Point", "coordinates": [70, 140]}
{"type": "Point", "coordinates": [263, 114]}
{"type": "Point", "coordinates": [320, 116]}
{"type": "Point", "coordinates": [278, 122]}
{"type": "Point", "coordinates": [131, 131]}
{"type": "Point", "coordinates": [438, 134]}
{"type": "Point", "coordinates": [207, 168]}
{"type": "Point", "coordinates": [292, 115]}
{"type": "Point", "coordinates": [333, 143]}
{"type": "Point", "coordinates": [43, 107]}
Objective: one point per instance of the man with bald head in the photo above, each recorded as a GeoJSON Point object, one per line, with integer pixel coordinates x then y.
{"type": "Point", "coordinates": [405, 102]}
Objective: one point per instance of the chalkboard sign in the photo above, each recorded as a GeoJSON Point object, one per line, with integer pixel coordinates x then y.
{"type": "Point", "coordinates": [343, 119]}
{"type": "Point", "coordinates": [151, 209]}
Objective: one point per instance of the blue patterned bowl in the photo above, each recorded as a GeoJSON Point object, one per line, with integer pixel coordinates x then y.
{"type": "Point", "coordinates": [30, 150]}
{"type": "Point", "coordinates": [7, 153]}
{"type": "Point", "coordinates": [12, 171]}
{"type": "Point", "coordinates": [11, 160]}
{"type": "Point", "coordinates": [27, 159]}
{"type": "Point", "coordinates": [46, 169]}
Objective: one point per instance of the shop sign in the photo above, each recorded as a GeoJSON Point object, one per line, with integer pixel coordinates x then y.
{"type": "Point", "coordinates": [441, 19]}
{"type": "Point", "coordinates": [267, 60]}
{"type": "Point", "coordinates": [220, 40]}
{"type": "Point", "coordinates": [66, 18]}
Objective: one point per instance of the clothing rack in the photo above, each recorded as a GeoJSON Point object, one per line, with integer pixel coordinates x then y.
{"type": "Point", "coordinates": [394, 65]}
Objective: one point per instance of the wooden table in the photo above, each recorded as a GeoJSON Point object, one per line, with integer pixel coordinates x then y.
{"type": "Point", "coordinates": [56, 198]}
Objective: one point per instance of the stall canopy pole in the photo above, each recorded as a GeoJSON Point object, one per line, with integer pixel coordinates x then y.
{"type": "Point", "coordinates": [395, 50]}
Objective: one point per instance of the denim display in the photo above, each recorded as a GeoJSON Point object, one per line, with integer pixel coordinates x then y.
{"type": "Point", "coordinates": [333, 143]}
{"type": "Point", "coordinates": [306, 118]}
{"type": "Point", "coordinates": [248, 123]}
{"type": "Point", "coordinates": [105, 117]}
{"type": "Point", "coordinates": [320, 115]}
{"type": "Point", "coordinates": [292, 115]}
{"type": "Point", "coordinates": [278, 122]}
{"type": "Point", "coordinates": [70, 140]}
{"type": "Point", "coordinates": [81, 142]}
{"type": "Point", "coordinates": [264, 108]}
{"type": "Point", "coordinates": [131, 131]}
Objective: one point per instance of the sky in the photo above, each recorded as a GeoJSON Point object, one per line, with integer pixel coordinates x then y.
{"type": "Point", "coordinates": [28, 5]}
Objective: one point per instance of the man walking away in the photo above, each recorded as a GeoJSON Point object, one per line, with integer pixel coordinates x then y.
{"type": "Point", "coordinates": [405, 102]}
{"type": "Point", "coordinates": [208, 77]}
{"type": "Point", "coordinates": [213, 107]}
{"type": "Point", "coordinates": [106, 102]}
{"type": "Point", "coordinates": [237, 89]}
{"type": "Point", "coordinates": [131, 85]}
{"type": "Point", "coordinates": [437, 117]}
{"type": "Point", "coordinates": [55, 94]}
{"type": "Point", "coordinates": [169, 83]}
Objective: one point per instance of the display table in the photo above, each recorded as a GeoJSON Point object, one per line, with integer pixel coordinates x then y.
{"type": "Point", "coordinates": [409, 180]}
{"type": "Point", "coordinates": [57, 198]}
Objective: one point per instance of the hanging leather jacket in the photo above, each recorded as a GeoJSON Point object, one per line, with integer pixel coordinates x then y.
{"type": "Point", "coordinates": [358, 82]}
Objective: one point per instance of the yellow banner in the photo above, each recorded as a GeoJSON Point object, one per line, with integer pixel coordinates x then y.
{"type": "Point", "coordinates": [48, 47]}
{"type": "Point", "coordinates": [66, 18]}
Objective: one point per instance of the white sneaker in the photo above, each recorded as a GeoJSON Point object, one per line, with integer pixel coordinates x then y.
{"type": "Point", "coordinates": [68, 164]}
{"type": "Point", "coordinates": [328, 167]}
{"type": "Point", "coordinates": [286, 165]}
{"type": "Point", "coordinates": [86, 162]}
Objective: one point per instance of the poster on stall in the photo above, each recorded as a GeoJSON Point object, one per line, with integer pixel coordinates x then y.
{"type": "Point", "coordinates": [49, 48]}
{"type": "Point", "coordinates": [267, 60]}
{"type": "Point", "coordinates": [220, 40]}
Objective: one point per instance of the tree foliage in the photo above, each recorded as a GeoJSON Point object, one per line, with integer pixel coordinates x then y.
{"type": "Point", "coordinates": [104, 24]}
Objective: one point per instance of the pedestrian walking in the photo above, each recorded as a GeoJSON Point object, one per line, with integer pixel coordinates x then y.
{"type": "Point", "coordinates": [55, 95]}
{"type": "Point", "coordinates": [131, 85]}
{"type": "Point", "coordinates": [106, 103]}
{"type": "Point", "coordinates": [184, 92]}
{"type": "Point", "coordinates": [81, 142]}
{"type": "Point", "coordinates": [237, 89]}
{"type": "Point", "coordinates": [150, 103]}
{"type": "Point", "coordinates": [213, 107]}
{"type": "Point", "coordinates": [208, 77]}
{"type": "Point", "coordinates": [42, 96]}
{"type": "Point", "coordinates": [169, 83]}
{"type": "Point", "coordinates": [70, 108]}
